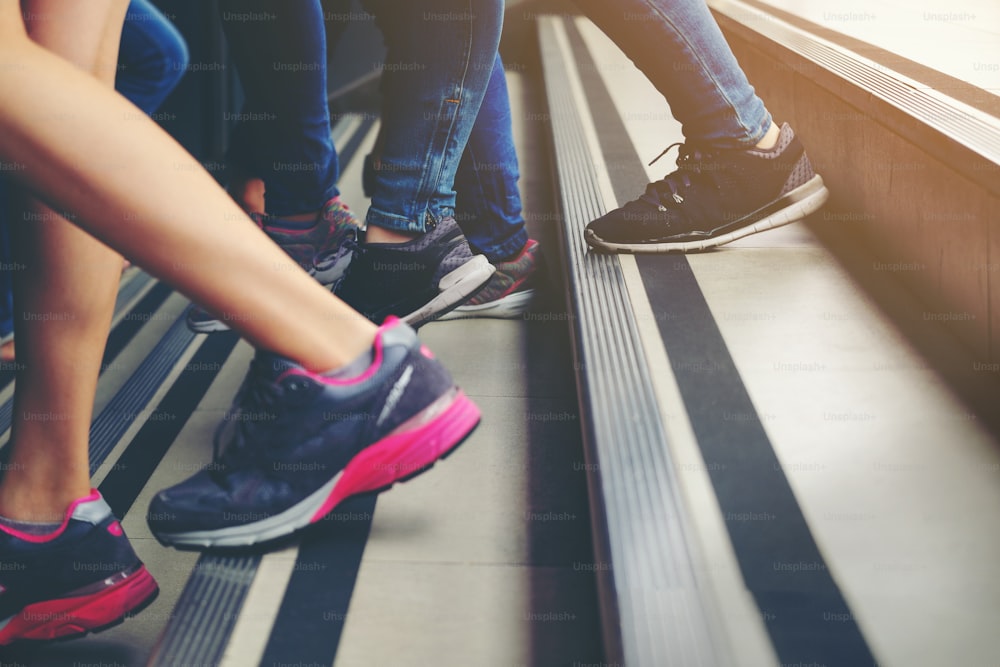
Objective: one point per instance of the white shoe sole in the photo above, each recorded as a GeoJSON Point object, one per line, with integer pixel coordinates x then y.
{"type": "Point", "coordinates": [509, 307]}
{"type": "Point", "coordinates": [803, 200]}
{"type": "Point", "coordinates": [455, 289]}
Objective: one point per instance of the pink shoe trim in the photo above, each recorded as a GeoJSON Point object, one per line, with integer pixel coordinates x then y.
{"type": "Point", "coordinates": [69, 616]}
{"type": "Point", "coordinates": [512, 288]}
{"type": "Point", "coordinates": [528, 247]}
{"type": "Point", "coordinates": [48, 537]}
{"type": "Point", "coordinates": [405, 453]}
{"type": "Point", "coordinates": [369, 372]}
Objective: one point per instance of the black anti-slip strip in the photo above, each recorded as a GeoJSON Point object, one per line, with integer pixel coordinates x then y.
{"type": "Point", "coordinates": [311, 619]}
{"type": "Point", "coordinates": [209, 605]}
{"type": "Point", "coordinates": [136, 464]}
{"type": "Point", "coordinates": [129, 326]}
{"type": "Point", "coordinates": [134, 396]}
{"type": "Point", "coordinates": [803, 609]}
{"type": "Point", "coordinates": [806, 616]}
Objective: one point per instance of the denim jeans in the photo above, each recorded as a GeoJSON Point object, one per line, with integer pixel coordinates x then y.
{"type": "Point", "coordinates": [283, 135]}
{"type": "Point", "coordinates": [679, 47]}
{"type": "Point", "coordinates": [152, 58]}
{"type": "Point", "coordinates": [440, 56]}
{"type": "Point", "coordinates": [488, 203]}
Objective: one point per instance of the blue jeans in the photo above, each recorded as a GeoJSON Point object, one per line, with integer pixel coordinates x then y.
{"type": "Point", "coordinates": [152, 59]}
{"type": "Point", "coordinates": [488, 203]}
{"type": "Point", "coordinates": [283, 136]}
{"type": "Point", "coordinates": [679, 47]}
{"type": "Point", "coordinates": [440, 57]}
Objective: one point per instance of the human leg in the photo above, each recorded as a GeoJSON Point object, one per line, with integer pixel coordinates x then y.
{"type": "Point", "coordinates": [438, 64]}
{"type": "Point", "coordinates": [283, 163]}
{"type": "Point", "coordinates": [70, 566]}
{"type": "Point", "coordinates": [188, 232]}
{"type": "Point", "coordinates": [416, 263]}
{"type": "Point", "coordinates": [488, 205]}
{"type": "Point", "coordinates": [283, 137]}
{"type": "Point", "coordinates": [206, 246]}
{"type": "Point", "coordinates": [488, 200]}
{"type": "Point", "coordinates": [65, 296]}
{"type": "Point", "coordinates": [737, 172]}
{"type": "Point", "coordinates": [152, 59]}
{"type": "Point", "coordinates": [679, 47]}
{"type": "Point", "coordinates": [68, 288]}
{"type": "Point", "coordinates": [6, 283]}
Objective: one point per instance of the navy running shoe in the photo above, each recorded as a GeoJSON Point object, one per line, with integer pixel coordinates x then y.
{"type": "Point", "coordinates": [417, 281]}
{"type": "Point", "coordinates": [80, 578]}
{"type": "Point", "coordinates": [715, 197]}
{"type": "Point", "coordinates": [298, 443]}
{"type": "Point", "coordinates": [323, 250]}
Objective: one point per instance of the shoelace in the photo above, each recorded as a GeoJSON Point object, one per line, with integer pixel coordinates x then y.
{"type": "Point", "coordinates": [690, 161]}
{"type": "Point", "coordinates": [355, 245]}
{"type": "Point", "coordinates": [330, 257]}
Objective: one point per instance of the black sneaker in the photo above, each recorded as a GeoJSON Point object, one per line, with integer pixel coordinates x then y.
{"type": "Point", "coordinates": [79, 578]}
{"type": "Point", "coordinates": [714, 197]}
{"type": "Point", "coordinates": [299, 443]}
{"type": "Point", "coordinates": [416, 281]}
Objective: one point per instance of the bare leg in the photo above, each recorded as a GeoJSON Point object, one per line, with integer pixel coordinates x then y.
{"type": "Point", "coordinates": [132, 186]}
{"type": "Point", "coordinates": [65, 297]}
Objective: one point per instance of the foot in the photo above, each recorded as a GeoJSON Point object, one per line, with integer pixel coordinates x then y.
{"type": "Point", "coordinates": [509, 292]}
{"type": "Point", "coordinates": [416, 281]}
{"type": "Point", "coordinates": [714, 197]}
{"type": "Point", "coordinates": [80, 577]}
{"type": "Point", "coordinates": [298, 443]}
{"type": "Point", "coordinates": [323, 250]}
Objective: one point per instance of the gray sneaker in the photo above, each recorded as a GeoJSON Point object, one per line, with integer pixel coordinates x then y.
{"type": "Point", "coordinates": [417, 281]}
{"type": "Point", "coordinates": [323, 250]}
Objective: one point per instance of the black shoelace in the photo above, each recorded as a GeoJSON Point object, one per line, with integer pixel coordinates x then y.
{"type": "Point", "coordinates": [692, 161]}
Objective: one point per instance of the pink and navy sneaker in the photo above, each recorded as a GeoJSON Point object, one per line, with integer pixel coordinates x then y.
{"type": "Point", "coordinates": [298, 443]}
{"type": "Point", "coordinates": [82, 577]}
{"type": "Point", "coordinates": [323, 249]}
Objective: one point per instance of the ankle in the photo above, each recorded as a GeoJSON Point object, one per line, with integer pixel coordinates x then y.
{"type": "Point", "coordinates": [249, 194]}
{"type": "Point", "coordinates": [376, 234]}
{"type": "Point", "coordinates": [47, 509]}
{"type": "Point", "coordinates": [300, 217]}
{"type": "Point", "coordinates": [770, 138]}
